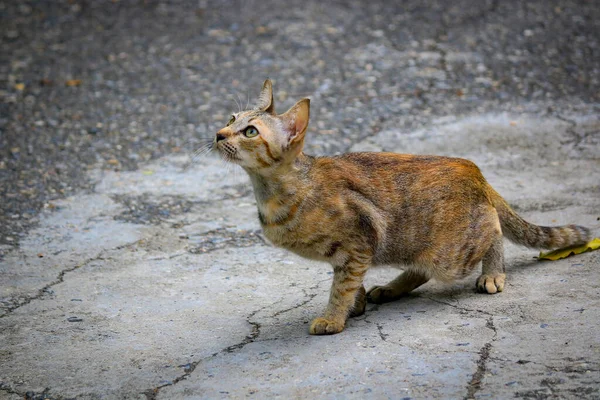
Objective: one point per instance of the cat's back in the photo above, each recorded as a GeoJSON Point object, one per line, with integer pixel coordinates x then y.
{"type": "Point", "coordinates": [384, 170]}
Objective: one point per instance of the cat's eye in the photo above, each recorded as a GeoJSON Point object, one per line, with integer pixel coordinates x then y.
{"type": "Point", "coordinates": [251, 132]}
{"type": "Point", "coordinates": [231, 120]}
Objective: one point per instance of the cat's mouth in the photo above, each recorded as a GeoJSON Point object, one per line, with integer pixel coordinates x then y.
{"type": "Point", "coordinates": [229, 153]}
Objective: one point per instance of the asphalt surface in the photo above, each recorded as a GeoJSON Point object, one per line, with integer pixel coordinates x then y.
{"type": "Point", "coordinates": [152, 78]}
{"type": "Point", "coordinates": [102, 105]}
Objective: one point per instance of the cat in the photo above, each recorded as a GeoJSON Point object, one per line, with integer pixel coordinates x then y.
{"type": "Point", "coordinates": [436, 216]}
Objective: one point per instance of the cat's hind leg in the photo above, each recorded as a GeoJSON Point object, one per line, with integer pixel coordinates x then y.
{"type": "Point", "coordinates": [492, 276]}
{"type": "Point", "coordinates": [404, 283]}
{"type": "Point", "coordinates": [360, 303]}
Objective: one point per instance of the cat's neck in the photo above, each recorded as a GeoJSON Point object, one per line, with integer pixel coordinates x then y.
{"type": "Point", "coordinates": [286, 180]}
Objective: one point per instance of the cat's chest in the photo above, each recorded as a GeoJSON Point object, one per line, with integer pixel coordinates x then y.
{"type": "Point", "coordinates": [274, 237]}
{"type": "Point", "coordinates": [290, 235]}
{"type": "Point", "coordinates": [298, 237]}
{"type": "Point", "coordinates": [286, 222]}
{"type": "Point", "coordinates": [280, 235]}
{"type": "Point", "coordinates": [292, 241]}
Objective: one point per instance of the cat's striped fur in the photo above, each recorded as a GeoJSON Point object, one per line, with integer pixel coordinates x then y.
{"type": "Point", "coordinates": [436, 216]}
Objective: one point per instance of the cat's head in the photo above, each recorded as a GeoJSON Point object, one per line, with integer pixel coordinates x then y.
{"type": "Point", "coordinates": [259, 139]}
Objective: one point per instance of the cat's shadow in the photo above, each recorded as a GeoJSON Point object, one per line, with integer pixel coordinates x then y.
{"type": "Point", "coordinates": [465, 288]}
{"type": "Point", "coordinates": [429, 299]}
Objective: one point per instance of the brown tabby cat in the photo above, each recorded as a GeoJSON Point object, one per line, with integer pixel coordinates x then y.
{"type": "Point", "coordinates": [435, 215]}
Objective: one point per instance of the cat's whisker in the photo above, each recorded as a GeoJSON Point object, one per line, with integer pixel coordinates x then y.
{"type": "Point", "coordinates": [197, 156]}
{"type": "Point", "coordinates": [225, 162]}
{"type": "Point", "coordinates": [238, 96]}
{"type": "Point", "coordinates": [238, 176]}
{"type": "Point", "coordinates": [196, 142]}
{"type": "Point", "coordinates": [204, 149]}
{"type": "Point", "coordinates": [239, 106]}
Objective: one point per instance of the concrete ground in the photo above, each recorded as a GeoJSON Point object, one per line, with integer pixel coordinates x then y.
{"type": "Point", "coordinates": [127, 271]}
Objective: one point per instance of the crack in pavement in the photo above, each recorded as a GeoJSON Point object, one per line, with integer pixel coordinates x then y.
{"type": "Point", "coordinates": [220, 238]}
{"type": "Point", "coordinates": [189, 368]}
{"type": "Point", "coordinates": [310, 296]}
{"type": "Point", "coordinates": [31, 395]}
{"type": "Point", "coordinates": [151, 394]}
{"type": "Point", "coordinates": [382, 335]}
{"type": "Point", "coordinates": [458, 307]}
{"type": "Point", "coordinates": [556, 368]}
{"type": "Point", "coordinates": [474, 384]}
{"type": "Point", "coordinates": [576, 139]}
{"type": "Point", "coordinates": [9, 390]}
{"type": "Point", "coordinates": [570, 130]}
{"type": "Point", "coordinates": [61, 277]}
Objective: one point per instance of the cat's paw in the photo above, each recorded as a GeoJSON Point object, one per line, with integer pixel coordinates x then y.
{"type": "Point", "coordinates": [322, 326]}
{"type": "Point", "coordinates": [491, 283]}
{"type": "Point", "coordinates": [380, 295]}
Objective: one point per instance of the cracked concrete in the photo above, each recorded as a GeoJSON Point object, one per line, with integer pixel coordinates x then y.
{"type": "Point", "coordinates": [196, 304]}
{"type": "Point", "coordinates": [127, 272]}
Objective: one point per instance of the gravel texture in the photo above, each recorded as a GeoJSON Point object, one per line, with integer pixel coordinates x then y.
{"type": "Point", "coordinates": [87, 84]}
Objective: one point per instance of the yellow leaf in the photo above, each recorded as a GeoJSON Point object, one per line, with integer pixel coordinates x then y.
{"type": "Point", "coordinates": [562, 253]}
{"type": "Point", "coordinates": [148, 172]}
{"type": "Point", "coordinates": [20, 87]}
{"type": "Point", "coordinates": [73, 82]}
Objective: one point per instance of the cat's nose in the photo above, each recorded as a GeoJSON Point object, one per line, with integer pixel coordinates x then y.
{"type": "Point", "coordinates": [220, 137]}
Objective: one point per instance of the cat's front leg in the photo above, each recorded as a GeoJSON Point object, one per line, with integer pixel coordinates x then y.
{"type": "Point", "coordinates": [346, 286]}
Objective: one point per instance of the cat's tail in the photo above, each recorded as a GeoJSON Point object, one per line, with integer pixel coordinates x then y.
{"type": "Point", "coordinates": [519, 231]}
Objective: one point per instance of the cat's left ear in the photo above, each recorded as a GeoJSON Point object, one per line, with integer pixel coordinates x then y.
{"type": "Point", "coordinates": [265, 100]}
{"type": "Point", "coordinates": [296, 120]}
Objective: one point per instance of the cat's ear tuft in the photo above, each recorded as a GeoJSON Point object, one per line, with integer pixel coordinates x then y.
{"type": "Point", "coordinates": [265, 100]}
{"type": "Point", "coordinates": [296, 119]}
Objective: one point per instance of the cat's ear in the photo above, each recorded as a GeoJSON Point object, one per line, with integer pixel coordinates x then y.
{"type": "Point", "coordinates": [296, 120]}
{"type": "Point", "coordinates": [265, 100]}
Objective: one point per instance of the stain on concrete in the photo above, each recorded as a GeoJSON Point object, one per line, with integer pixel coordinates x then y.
{"type": "Point", "coordinates": [145, 210]}
{"type": "Point", "coordinates": [221, 238]}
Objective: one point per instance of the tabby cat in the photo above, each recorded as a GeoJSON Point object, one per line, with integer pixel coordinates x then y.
{"type": "Point", "coordinates": [437, 216]}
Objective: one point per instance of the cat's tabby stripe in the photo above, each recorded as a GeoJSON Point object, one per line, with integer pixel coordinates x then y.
{"type": "Point", "coordinates": [333, 248]}
{"type": "Point", "coordinates": [285, 218]}
{"type": "Point", "coordinates": [262, 162]}
{"type": "Point", "coordinates": [268, 149]}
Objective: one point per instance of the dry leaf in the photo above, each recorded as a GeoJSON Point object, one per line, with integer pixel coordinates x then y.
{"type": "Point", "coordinates": [20, 86]}
{"type": "Point", "coordinates": [113, 161]}
{"type": "Point", "coordinates": [563, 253]}
{"type": "Point", "coordinates": [73, 82]}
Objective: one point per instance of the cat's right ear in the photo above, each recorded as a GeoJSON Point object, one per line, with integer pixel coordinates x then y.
{"type": "Point", "coordinates": [296, 119]}
{"type": "Point", "coordinates": [265, 100]}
